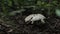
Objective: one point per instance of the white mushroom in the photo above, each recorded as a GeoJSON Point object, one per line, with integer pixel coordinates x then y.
{"type": "Point", "coordinates": [35, 17]}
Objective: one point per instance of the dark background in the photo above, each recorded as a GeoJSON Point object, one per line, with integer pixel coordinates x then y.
{"type": "Point", "coordinates": [13, 13]}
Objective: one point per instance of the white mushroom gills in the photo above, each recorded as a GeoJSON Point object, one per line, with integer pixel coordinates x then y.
{"type": "Point", "coordinates": [35, 17]}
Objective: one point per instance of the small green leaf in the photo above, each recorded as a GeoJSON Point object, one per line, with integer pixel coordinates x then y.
{"type": "Point", "coordinates": [57, 12]}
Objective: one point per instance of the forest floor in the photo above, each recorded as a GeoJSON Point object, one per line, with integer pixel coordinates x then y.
{"type": "Point", "coordinates": [16, 25]}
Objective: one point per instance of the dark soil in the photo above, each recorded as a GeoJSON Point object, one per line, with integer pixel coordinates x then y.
{"type": "Point", "coordinates": [52, 26]}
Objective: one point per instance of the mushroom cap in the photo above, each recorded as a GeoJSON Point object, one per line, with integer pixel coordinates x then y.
{"type": "Point", "coordinates": [34, 17]}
